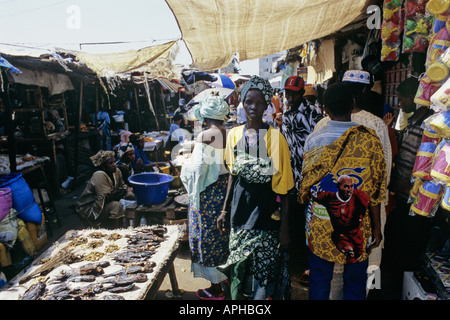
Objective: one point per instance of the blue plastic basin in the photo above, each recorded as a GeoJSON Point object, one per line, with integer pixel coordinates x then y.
{"type": "Point", "coordinates": [150, 187]}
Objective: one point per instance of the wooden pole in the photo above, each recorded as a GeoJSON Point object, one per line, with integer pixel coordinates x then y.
{"type": "Point", "coordinates": [165, 114]}
{"type": "Point", "coordinates": [77, 131]}
{"type": "Point", "coordinates": [164, 104]}
{"type": "Point", "coordinates": [9, 126]}
{"type": "Point", "coordinates": [150, 105]}
{"type": "Point", "coordinates": [137, 108]}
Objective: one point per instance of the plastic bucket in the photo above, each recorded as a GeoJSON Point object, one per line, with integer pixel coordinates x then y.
{"type": "Point", "coordinates": [23, 200]}
{"type": "Point", "coordinates": [150, 188]}
{"type": "Point", "coordinates": [5, 202]}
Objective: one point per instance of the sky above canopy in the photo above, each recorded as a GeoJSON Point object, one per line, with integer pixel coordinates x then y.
{"type": "Point", "coordinates": [79, 24]}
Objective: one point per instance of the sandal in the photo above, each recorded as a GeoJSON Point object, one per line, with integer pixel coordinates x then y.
{"type": "Point", "coordinates": [304, 278]}
{"type": "Point", "coordinates": [204, 294]}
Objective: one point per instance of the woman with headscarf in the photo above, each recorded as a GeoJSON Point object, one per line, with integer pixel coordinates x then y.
{"type": "Point", "coordinates": [259, 160]}
{"type": "Point", "coordinates": [205, 178]}
{"type": "Point", "coordinates": [125, 159]}
{"type": "Point", "coordinates": [99, 204]}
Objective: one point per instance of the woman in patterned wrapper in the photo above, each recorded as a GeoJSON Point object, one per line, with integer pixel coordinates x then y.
{"type": "Point", "coordinates": [346, 209]}
{"type": "Point", "coordinates": [259, 161]}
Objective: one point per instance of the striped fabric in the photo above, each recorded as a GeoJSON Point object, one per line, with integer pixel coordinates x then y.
{"type": "Point", "coordinates": [411, 139]}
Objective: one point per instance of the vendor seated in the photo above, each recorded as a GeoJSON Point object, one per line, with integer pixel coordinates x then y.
{"type": "Point", "coordinates": [141, 163]}
{"type": "Point", "coordinates": [124, 160]}
{"type": "Point", "coordinates": [99, 204]}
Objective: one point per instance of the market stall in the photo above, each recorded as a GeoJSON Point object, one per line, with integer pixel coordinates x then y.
{"type": "Point", "coordinates": [100, 264]}
{"type": "Point", "coordinates": [431, 176]}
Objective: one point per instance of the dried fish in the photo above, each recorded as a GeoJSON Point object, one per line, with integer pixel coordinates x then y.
{"type": "Point", "coordinates": [112, 248]}
{"type": "Point", "coordinates": [93, 268]}
{"type": "Point", "coordinates": [121, 289]}
{"type": "Point", "coordinates": [59, 292]}
{"type": "Point", "coordinates": [114, 237]}
{"type": "Point", "coordinates": [140, 263]}
{"type": "Point", "coordinates": [93, 256]}
{"type": "Point", "coordinates": [51, 264]}
{"type": "Point", "coordinates": [78, 241]}
{"type": "Point", "coordinates": [34, 292]}
{"type": "Point", "coordinates": [112, 297]}
{"type": "Point", "coordinates": [97, 235]}
{"type": "Point", "coordinates": [81, 278]}
{"type": "Point", "coordinates": [95, 244]}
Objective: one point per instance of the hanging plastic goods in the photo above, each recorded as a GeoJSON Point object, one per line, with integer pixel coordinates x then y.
{"type": "Point", "coordinates": [392, 28]}
{"type": "Point", "coordinates": [429, 135]}
{"type": "Point", "coordinates": [418, 27]}
{"type": "Point", "coordinates": [440, 100]}
{"type": "Point", "coordinates": [440, 170]}
{"type": "Point", "coordinates": [438, 45]}
{"type": "Point", "coordinates": [428, 199]}
{"type": "Point", "coordinates": [426, 90]}
{"type": "Point", "coordinates": [440, 123]}
{"type": "Point", "coordinates": [445, 203]}
{"type": "Point", "coordinates": [424, 161]}
{"type": "Point", "coordinates": [438, 7]}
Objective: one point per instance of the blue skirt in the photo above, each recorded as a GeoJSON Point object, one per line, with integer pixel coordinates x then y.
{"type": "Point", "coordinates": [208, 246]}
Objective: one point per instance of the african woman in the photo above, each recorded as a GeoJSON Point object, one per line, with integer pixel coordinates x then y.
{"type": "Point", "coordinates": [259, 160]}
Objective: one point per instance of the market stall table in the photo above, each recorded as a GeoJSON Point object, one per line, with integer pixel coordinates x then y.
{"type": "Point", "coordinates": [115, 255]}
{"type": "Point", "coordinates": [167, 212]}
{"type": "Point", "coordinates": [155, 140]}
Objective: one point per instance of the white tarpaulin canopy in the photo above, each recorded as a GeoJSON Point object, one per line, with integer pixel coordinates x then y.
{"type": "Point", "coordinates": [214, 30]}
{"type": "Point", "coordinates": [157, 61]}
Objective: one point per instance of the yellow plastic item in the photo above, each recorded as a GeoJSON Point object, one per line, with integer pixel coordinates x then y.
{"type": "Point", "coordinates": [165, 170]}
{"type": "Point", "coordinates": [38, 233]}
{"type": "Point", "coordinates": [437, 71]}
{"type": "Point", "coordinates": [25, 239]}
{"type": "Point", "coordinates": [437, 7]}
{"type": "Point", "coordinates": [5, 256]}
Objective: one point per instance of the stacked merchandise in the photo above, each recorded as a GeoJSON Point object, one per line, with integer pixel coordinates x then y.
{"type": "Point", "coordinates": [407, 27]}
{"type": "Point", "coordinates": [431, 173]}
{"type": "Point", "coordinates": [440, 264]}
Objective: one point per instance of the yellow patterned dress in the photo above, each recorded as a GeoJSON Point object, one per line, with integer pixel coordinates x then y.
{"type": "Point", "coordinates": [358, 153]}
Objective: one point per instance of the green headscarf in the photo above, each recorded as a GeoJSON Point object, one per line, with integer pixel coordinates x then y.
{"type": "Point", "coordinates": [212, 106]}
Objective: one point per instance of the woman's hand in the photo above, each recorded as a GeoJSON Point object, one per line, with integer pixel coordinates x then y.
{"type": "Point", "coordinates": [222, 221]}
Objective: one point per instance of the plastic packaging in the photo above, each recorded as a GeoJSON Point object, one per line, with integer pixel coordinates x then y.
{"type": "Point", "coordinates": [418, 27]}
{"type": "Point", "coordinates": [391, 30]}
{"type": "Point", "coordinates": [424, 161]}
{"type": "Point", "coordinates": [425, 91]}
{"type": "Point", "coordinates": [445, 203]}
{"type": "Point", "coordinates": [440, 100]}
{"type": "Point", "coordinates": [440, 123]}
{"type": "Point", "coordinates": [429, 135]}
{"type": "Point", "coordinates": [438, 7]}
{"type": "Point", "coordinates": [23, 199]}
{"type": "Point", "coordinates": [441, 166]}
{"type": "Point", "coordinates": [5, 202]}
{"type": "Point", "coordinates": [429, 195]}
